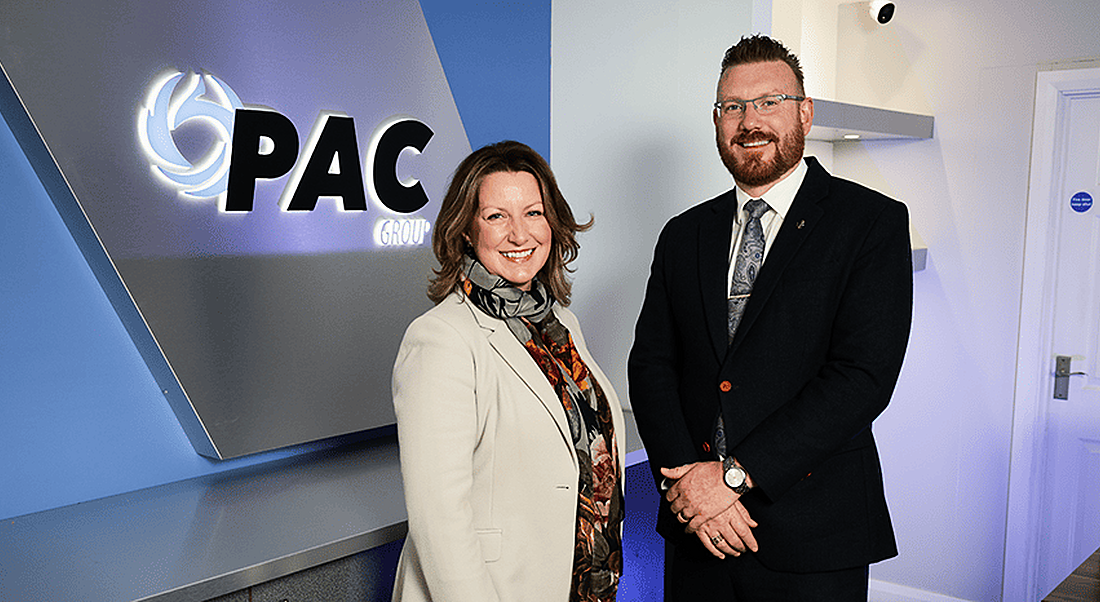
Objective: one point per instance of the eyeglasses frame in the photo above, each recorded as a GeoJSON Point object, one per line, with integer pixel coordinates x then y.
{"type": "Point", "coordinates": [744, 104]}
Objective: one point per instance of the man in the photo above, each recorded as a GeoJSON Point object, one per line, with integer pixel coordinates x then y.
{"type": "Point", "coordinates": [771, 335]}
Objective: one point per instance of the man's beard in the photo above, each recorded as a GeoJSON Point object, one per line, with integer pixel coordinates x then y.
{"type": "Point", "coordinates": [757, 171]}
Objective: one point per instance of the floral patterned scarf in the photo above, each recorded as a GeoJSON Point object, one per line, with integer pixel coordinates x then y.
{"type": "Point", "coordinates": [597, 553]}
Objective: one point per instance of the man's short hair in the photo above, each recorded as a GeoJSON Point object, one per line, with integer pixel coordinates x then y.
{"type": "Point", "coordinates": [762, 49]}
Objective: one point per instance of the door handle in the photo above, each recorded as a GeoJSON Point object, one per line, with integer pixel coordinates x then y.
{"type": "Point", "coordinates": [1061, 376]}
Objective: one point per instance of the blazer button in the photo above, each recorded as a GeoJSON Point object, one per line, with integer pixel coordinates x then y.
{"type": "Point", "coordinates": [725, 386]}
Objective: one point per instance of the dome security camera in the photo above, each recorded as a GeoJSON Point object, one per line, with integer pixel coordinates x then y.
{"type": "Point", "coordinates": [882, 11]}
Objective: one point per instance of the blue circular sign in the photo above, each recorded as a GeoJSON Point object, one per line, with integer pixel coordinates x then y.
{"type": "Point", "coordinates": [1081, 202]}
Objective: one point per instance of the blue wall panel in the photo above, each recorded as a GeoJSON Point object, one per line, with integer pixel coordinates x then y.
{"type": "Point", "coordinates": [497, 59]}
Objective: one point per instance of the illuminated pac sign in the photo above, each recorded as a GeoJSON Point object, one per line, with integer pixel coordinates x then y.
{"type": "Point", "coordinates": [265, 145]}
{"type": "Point", "coordinates": [252, 144]}
{"type": "Point", "coordinates": [256, 224]}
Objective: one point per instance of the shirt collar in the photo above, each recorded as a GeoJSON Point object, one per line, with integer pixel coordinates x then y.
{"type": "Point", "coordinates": [780, 196]}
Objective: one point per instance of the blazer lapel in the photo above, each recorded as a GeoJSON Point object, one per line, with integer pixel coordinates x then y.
{"type": "Point", "coordinates": [799, 222]}
{"type": "Point", "coordinates": [714, 254]}
{"type": "Point", "coordinates": [520, 361]}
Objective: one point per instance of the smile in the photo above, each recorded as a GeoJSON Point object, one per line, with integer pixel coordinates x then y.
{"type": "Point", "coordinates": [756, 144]}
{"type": "Point", "coordinates": [517, 254]}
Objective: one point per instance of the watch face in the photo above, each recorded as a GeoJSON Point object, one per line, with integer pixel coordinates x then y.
{"type": "Point", "coordinates": [735, 476]}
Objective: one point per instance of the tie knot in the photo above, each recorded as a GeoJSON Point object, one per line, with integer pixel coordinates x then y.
{"type": "Point", "coordinates": [756, 207]}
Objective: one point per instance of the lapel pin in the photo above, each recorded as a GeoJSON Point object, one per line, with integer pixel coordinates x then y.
{"type": "Point", "coordinates": [801, 223]}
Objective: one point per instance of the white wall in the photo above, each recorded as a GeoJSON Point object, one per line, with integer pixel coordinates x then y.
{"type": "Point", "coordinates": [632, 142]}
{"type": "Point", "coordinates": [947, 436]}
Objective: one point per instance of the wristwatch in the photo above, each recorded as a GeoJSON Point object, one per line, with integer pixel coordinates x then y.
{"type": "Point", "coordinates": [735, 477]}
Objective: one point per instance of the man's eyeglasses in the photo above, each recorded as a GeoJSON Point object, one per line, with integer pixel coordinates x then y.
{"type": "Point", "coordinates": [764, 105]}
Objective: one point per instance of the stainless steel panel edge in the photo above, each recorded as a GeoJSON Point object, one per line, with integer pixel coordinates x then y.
{"type": "Point", "coordinates": [212, 535]}
{"type": "Point", "coordinates": [99, 261]}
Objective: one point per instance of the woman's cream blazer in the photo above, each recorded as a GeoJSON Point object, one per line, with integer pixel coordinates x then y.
{"type": "Point", "coordinates": [488, 463]}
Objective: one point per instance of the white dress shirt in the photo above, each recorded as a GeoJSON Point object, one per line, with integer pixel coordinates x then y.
{"type": "Point", "coordinates": [779, 198]}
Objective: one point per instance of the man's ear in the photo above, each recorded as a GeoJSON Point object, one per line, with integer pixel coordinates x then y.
{"type": "Point", "coordinates": [806, 115]}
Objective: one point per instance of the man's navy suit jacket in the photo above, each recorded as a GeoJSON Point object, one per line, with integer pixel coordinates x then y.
{"type": "Point", "coordinates": [814, 361]}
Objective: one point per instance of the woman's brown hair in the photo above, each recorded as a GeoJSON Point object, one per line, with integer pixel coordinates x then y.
{"type": "Point", "coordinates": [460, 205]}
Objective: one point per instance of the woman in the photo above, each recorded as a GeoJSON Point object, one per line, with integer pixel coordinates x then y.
{"type": "Point", "coordinates": [511, 437]}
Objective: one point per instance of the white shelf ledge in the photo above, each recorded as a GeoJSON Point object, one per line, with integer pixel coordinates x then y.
{"type": "Point", "coordinates": [836, 121]}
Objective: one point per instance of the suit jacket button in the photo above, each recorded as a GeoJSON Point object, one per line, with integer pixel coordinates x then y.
{"type": "Point", "coordinates": [725, 386]}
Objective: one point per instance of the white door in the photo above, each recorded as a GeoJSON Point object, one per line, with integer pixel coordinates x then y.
{"type": "Point", "coordinates": [1054, 487]}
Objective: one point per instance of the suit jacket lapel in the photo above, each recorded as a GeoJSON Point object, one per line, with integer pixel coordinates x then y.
{"type": "Point", "coordinates": [714, 254]}
{"type": "Point", "coordinates": [520, 361]}
{"type": "Point", "coordinates": [803, 215]}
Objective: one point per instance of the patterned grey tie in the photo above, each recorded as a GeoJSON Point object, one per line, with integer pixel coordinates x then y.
{"type": "Point", "coordinates": [747, 263]}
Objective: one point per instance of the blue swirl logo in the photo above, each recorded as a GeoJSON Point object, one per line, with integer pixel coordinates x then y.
{"type": "Point", "coordinates": [174, 99]}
